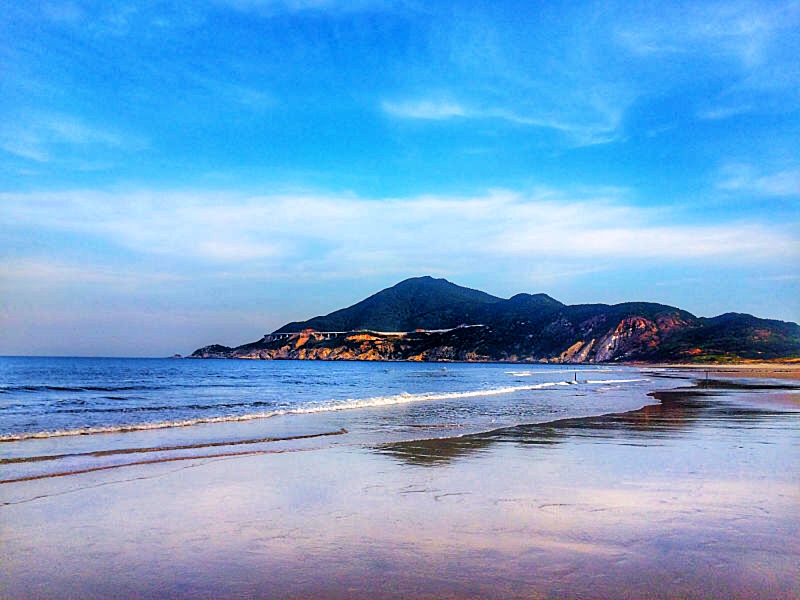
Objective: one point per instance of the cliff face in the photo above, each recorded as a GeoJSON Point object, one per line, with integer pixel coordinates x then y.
{"type": "Point", "coordinates": [467, 325]}
{"type": "Point", "coordinates": [312, 346]}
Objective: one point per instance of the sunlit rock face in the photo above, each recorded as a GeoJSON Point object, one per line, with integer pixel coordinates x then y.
{"type": "Point", "coordinates": [633, 336]}
{"type": "Point", "coordinates": [427, 319]}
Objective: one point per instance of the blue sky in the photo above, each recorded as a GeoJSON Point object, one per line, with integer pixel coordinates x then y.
{"type": "Point", "coordinates": [177, 174]}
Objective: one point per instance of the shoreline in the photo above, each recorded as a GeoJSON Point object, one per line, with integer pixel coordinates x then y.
{"type": "Point", "coordinates": [261, 445]}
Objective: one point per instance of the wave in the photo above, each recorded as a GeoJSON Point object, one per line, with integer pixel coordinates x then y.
{"type": "Point", "coordinates": [532, 372]}
{"type": "Point", "coordinates": [7, 389]}
{"type": "Point", "coordinates": [310, 408]}
{"type": "Point", "coordinates": [136, 409]}
{"type": "Point", "coordinates": [88, 388]}
{"type": "Point", "coordinates": [607, 381]}
{"type": "Point", "coordinates": [144, 450]}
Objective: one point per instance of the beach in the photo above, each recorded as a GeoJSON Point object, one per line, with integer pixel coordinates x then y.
{"type": "Point", "coordinates": [697, 496]}
{"type": "Point", "coordinates": [759, 370]}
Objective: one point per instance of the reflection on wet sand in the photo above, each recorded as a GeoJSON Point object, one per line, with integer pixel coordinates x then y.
{"type": "Point", "coordinates": [677, 410]}
{"type": "Point", "coordinates": [436, 451]}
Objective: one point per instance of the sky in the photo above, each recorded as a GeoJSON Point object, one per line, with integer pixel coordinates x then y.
{"type": "Point", "coordinates": [175, 174]}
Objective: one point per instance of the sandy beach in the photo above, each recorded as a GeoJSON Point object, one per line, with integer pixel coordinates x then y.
{"type": "Point", "coordinates": [696, 497]}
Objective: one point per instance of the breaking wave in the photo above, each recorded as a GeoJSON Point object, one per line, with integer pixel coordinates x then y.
{"type": "Point", "coordinates": [309, 408]}
{"type": "Point", "coordinates": [532, 372]}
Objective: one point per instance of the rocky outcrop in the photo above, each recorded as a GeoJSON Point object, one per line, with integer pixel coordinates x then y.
{"type": "Point", "coordinates": [311, 345]}
{"type": "Point", "coordinates": [213, 351]}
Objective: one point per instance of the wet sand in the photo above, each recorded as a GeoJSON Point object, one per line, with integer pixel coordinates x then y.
{"type": "Point", "coordinates": [785, 370]}
{"type": "Point", "coordinates": [697, 497]}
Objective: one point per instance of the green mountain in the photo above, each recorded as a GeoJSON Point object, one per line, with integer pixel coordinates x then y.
{"type": "Point", "coordinates": [432, 319]}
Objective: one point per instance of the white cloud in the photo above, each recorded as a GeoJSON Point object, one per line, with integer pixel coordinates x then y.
{"type": "Point", "coordinates": [425, 109]}
{"type": "Point", "coordinates": [747, 179]}
{"type": "Point", "coordinates": [322, 234]}
{"type": "Point", "coordinates": [652, 242]}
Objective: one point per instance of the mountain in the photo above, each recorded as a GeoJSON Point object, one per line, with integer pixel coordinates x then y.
{"type": "Point", "coordinates": [433, 319]}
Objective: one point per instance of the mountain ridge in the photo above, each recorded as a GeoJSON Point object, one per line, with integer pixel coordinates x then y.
{"type": "Point", "coordinates": [429, 319]}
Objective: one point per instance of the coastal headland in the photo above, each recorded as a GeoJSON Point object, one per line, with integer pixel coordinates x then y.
{"type": "Point", "coordinates": [426, 319]}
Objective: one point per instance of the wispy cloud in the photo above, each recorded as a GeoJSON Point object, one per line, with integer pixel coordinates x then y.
{"type": "Point", "coordinates": [62, 12]}
{"type": "Point", "coordinates": [47, 137]}
{"type": "Point", "coordinates": [720, 111]}
{"type": "Point", "coordinates": [781, 278]}
{"type": "Point", "coordinates": [49, 272]}
{"type": "Point", "coordinates": [271, 7]}
{"type": "Point", "coordinates": [232, 92]}
{"type": "Point", "coordinates": [738, 30]}
{"type": "Point", "coordinates": [586, 133]}
{"type": "Point", "coordinates": [484, 66]}
{"type": "Point", "coordinates": [748, 179]}
{"type": "Point", "coordinates": [751, 46]}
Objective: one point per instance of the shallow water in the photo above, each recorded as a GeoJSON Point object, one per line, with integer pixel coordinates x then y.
{"type": "Point", "coordinates": [63, 397]}
{"type": "Point", "coordinates": [69, 415]}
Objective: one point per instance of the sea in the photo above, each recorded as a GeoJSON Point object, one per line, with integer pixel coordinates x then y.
{"type": "Point", "coordinates": [61, 416]}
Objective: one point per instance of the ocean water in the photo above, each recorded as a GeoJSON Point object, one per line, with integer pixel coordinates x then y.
{"type": "Point", "coordinates": [67, 415]}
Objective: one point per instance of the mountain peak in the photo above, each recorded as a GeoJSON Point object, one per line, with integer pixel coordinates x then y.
{"type": "Point", "coordinates": [423, 281]}
{"type": "Point", "coordinates": [414, 303]}
{"type": "Point", "coordinates": [534, 300]}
